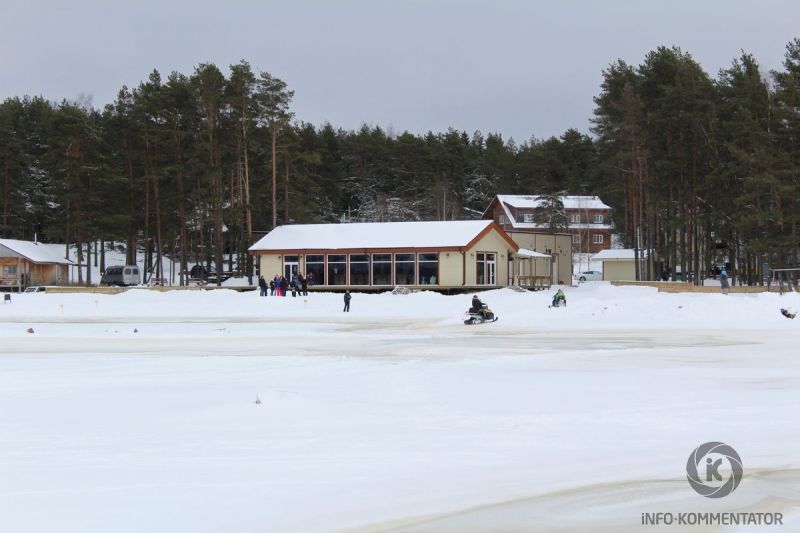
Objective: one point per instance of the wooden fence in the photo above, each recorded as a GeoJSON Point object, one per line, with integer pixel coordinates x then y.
{"type": "Point", "coordinates": [677, 286]}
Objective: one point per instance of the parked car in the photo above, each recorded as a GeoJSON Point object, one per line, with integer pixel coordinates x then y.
{"type": "Point", "coordinates": [121, 276]}
{"type": "Point", "coordinates": [35, 288]}
{"type": "Point", "coordinates": [589, 275]}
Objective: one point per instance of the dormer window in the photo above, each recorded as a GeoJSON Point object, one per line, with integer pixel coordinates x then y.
{"type": "Point", "coordinates": [527, 218]}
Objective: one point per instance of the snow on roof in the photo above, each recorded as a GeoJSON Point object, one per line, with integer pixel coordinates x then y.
{"type": "Point", "coordinates": [372, 235]}
{"type": "Point", "coordinates": [570, 202]}
{"type": "Point", "coordinates": [37, 252]}
{"type": "Point", "coordinates": [531, 253]}
{"type": "Point", "coordinates": [617, 254]}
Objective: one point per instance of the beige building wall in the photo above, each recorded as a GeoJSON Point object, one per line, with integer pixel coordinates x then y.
{"type": "Point", "coordinates": [560, 247]}
{"type": "Point", "coordinates": [270, 264]}
{"type": "Point", "coordinates": [624, 270]}
{"type": "Point", "coordinates": [492, 242]}
{"type": "Point", "coordinates": [451, 269]}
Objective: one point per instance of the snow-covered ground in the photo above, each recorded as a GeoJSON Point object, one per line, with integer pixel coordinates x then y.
{"type": "Point", "coordinates": [137, 411]}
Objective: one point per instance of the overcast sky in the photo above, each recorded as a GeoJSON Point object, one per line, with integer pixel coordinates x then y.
{"type": "Point", "coordinates": [520, 68]}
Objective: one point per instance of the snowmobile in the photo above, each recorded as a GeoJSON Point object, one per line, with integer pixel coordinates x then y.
{"type": "Point", "coordinates": [559, 299]}
{"type": "Point", "coordinates": [471, 316]}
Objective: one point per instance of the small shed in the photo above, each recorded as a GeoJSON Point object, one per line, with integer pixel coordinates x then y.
{"type": "Point", "coordinates": [618, 264]}
{"type": "Point", "coordinates": [26, 263]}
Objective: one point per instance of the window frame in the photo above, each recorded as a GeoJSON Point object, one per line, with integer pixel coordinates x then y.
{"type": "Point", "coordinates": [373, 263]}
{"type": "Point", "coordinates": [427, 262]}
{"type": "Point", "coordinates": [413, 271]}
{"type": "Point", "coordinates": [309, 261]}
{"type": "Point", "coordinates": [329, 264]}
{"type": "Point", "coordinates": [350, 264]}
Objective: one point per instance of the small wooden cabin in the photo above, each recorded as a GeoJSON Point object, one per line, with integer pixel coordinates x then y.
{"type": "Point", "coordinates": [27, 263]}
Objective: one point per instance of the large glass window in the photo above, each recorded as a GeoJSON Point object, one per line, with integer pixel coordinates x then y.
{"type": "Point", "coordinates": [315, 269]}
{"type": "Point", "coordinates": [337, 270]}
{"type": "Point", "coordinates": [428, 269]}
{"type": "Point", "coordinates": [404, 269]}
{"type": "Point", "coordinates": [381, 269]}
{"type": "Point", "coordinates": [359, 269]}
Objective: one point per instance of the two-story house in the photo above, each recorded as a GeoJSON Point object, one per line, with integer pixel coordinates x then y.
{"type": "Point", "coordinates": [588, 219]}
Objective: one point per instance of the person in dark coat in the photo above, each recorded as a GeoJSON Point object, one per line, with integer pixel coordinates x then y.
{"type": "Point", "coordinates": [477, 304]}
{"type": "Point", "coordinates": [262, 285]}
{"type": "Point", "coordinates": [272, 287]}
{"type": "Point", "coordinates": [724, 284]}
{"type": "Point", "coordinates": [303, 284]}
{"type": "Point", "coordinates": [346, 302]}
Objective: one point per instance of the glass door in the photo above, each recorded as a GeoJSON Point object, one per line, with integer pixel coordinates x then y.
{"type": "Point", "coordinates": [491, 267]}
{"type": "Point", "coordinates": [291, 266]}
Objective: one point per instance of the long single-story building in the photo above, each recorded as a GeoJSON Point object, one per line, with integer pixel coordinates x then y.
{"type": "Point", "coordinates": [451, 254]}
{"type": "Point", "coordinates": [25, 263]}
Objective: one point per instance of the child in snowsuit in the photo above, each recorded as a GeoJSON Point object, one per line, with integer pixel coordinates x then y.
{"type": "Point", "coordinates": [558, 298]}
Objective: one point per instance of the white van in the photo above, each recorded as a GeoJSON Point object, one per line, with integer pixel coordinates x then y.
{"type": "Point", "coordinates": [121, 275]}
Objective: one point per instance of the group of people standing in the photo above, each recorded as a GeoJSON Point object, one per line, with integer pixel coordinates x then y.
{"type": "Point", "coordinates": [280, 286]}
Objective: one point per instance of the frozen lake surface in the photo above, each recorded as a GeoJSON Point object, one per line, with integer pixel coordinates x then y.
{"type": "Point", "coordinates": [138, 412]}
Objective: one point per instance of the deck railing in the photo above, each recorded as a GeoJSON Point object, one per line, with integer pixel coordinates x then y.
{"type": "Point", "coordinates": [534, 282]}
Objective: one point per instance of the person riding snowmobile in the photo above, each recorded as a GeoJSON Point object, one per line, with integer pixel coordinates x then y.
{"type": "Point", "coordinates": [479, 312]}
{"type": "Point", "coordinates": [558, 298]}
{"type": "Point", "coordinates": [477, 304]}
